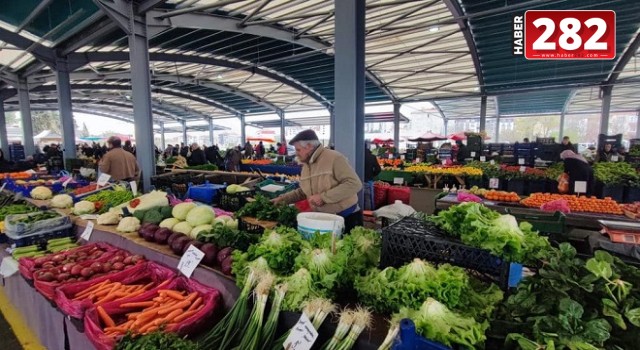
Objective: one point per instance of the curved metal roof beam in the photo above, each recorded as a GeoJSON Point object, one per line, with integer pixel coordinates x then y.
{"type": "Point", "coordinates": [97, 111]}
{"type": "Point", "coordinates": [463, 23]}
{"type": "Point", "coordinates": [87, 100]}
{"type": "Point", "coordinates": [157, 90]}
{"type": "Point", "coordinates": [126, 75]}
{"type": "Point", "coordinates": [200, 20]}
{"type": "Point", "coordinates": [629, 52]}
{"type": "Point", "coordinates": [80, 59]}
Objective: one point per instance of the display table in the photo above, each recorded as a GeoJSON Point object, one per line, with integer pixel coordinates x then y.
{"type": "Point", "coordinates": [574, 220]}
{"type": "Point", "coordinates": [272, 169]}
{"type": "Point", "coordinates": [390, 175]}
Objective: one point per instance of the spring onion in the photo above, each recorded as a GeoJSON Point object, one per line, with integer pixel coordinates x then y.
{"type": "Point", "coordinates": [269, 329]}
{"type": "Point", "coordinates": [362, 321]}
{"type": "Point", "coordinates": [253, 331]}
{"type": "Point", "coordinates": [347, 317]}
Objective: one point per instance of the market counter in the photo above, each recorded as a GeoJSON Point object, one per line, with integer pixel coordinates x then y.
{"type": "Point", "coordinates": [272, 169]}
{"type": "Point", "coordinates": [573, 220]}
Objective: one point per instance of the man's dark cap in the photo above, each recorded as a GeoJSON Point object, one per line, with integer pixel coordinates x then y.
{"type": "Point", "coordinates": [306, 135]}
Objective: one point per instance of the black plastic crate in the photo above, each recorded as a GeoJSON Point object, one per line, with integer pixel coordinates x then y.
{"type": "Point", "coordinates": [234, 201]}
{"type": "Point", "coordinates": [39, 238]}
{"type": "Point", "coordinates": [243, 225]}
{"type": "Point", "coordinates": [412, 238]}
{"type": "Point", "coordinates": [166, 181]}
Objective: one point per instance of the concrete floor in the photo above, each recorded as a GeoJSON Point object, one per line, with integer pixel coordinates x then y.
{"type": "Point", "coordinates": [7, 338]}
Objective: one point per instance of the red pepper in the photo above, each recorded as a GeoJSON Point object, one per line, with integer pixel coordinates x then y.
{"type": "Point", "coordinates": [98, 205]}
{"type": "Point", "coordinates": [134, 203]}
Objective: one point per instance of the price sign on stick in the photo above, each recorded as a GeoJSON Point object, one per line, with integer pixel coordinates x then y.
{"type": "Point", "coordinates": [614, 158]}
{"type": "Point", "coordinates": [492, 162]}
{"type": "Point", "coordinates": [483, 158]}
{"type": "Point", "coordinates": [302, 335]}
{"type": "Point", "coordinates": [398, 180]}
{"type": "Point", "coordinates": [580, 187]}
{"type": "Point", "coordinates": [523, 169]}
{"type": "Point", "coordinates": [190, 260]}
{"type": "Point", "coordinates": [103, 179]}
{"type": "Point", "coordinates": [520, 161]}
{"type": "Point", "coordinates": [473, 154]}
{"type": "Point", "coordinates": [86, 234]}
{"type": "Point", "coordinates": [494, 182]}
{"type": "Point", "coordinates": [66, 183]}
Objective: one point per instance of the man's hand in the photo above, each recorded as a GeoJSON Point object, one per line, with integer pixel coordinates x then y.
{"type": "Point", "coordinates": [276, 200]}
{"type": "Point", "coordinates": [316, 200]}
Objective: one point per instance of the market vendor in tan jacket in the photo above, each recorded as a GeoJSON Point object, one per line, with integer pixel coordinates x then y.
{"type": "Point", "coordinates": [120, 164]}
{"type": "Point", "coordinates": [327, 181]}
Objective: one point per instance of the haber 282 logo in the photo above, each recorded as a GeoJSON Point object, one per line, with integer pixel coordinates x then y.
{"type": "Point", "coordinates": [565, 35]}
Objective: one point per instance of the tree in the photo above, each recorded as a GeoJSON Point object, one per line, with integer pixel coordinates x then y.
{"type": "Point", "coordinates": [46, 120]}
{"type": "Point", "coordinates": [11, 118]}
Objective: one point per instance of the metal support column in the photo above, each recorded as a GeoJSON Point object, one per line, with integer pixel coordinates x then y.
{"type": "Point", "coordinates": [4, 141]}
{"type": "Point", "coordinates": [561, 133]}
{"type": "Point", "coordinates": [637, 125]}
{"type": "Point", "coordinates": [332, 127]}
{"type": "Point", "coordinates": [497, 128]}
{"type": "Point", "coordinates": [396, 126]}
{"type": "Point", "coordinates": [606, 107]}
{"type": "Point", "coordinates": [349, 82]}
{"type": "Point", "coordinates": [243, 130]}
{"type": "Point", "coordinates": [483, 113]}
{"type": "Point", "coordinates": [65, 110]}
{"type": "Point", "coordinates": [282, 125]}
{"type": "Point", "coordinates": [163, 143]}
{"type": "Point", "coordinates": [211, 132]}
{"type": "Point", "coordinates": [446, 126]}
{"type": "Point", "coordinates": [25, 113]}
{"type": "Point", "coordinates": [125, 14]}
{"type": "Point", "coordinates": [184, 133]}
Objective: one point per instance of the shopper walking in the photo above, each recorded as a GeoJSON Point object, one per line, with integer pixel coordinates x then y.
{"type": "Point", "coordinates": [327, 181]}
{"type": "Point", "coordinates": [120, 164]}
{"type": "Point", "coordinates": [248, 150]}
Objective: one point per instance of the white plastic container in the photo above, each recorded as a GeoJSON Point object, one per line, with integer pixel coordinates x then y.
{"type": "Point", "coordinates": [311, 222]}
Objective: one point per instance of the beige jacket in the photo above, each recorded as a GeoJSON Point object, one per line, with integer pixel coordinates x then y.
{"type": "Point", "coordinates": [120, 164]}
{"type": "Point", "coordinates": [329, 174]}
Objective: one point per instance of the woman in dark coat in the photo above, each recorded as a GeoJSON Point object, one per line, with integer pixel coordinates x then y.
{"type": "Point", "coordinates": [197, 156]}
{"type": "Point", "coordinates": [578, 169]}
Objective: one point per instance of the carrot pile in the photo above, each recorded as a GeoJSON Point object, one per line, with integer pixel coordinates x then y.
{"type": "Point", "coordinates": [169, 308]}
{"type": "Point", "coordinates": [107, 291]}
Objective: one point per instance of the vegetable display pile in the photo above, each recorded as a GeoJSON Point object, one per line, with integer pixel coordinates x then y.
{"type": "Point", "coordinates": [501, 196]}
{"type": "Point", "coordinates": [615, 173]}
{"type": "Point", "coordinates": [81, 264]}
{"type": "Point", "coordinates": [310, 268]}
{"type": "Point", "coordinates": [576, 304]}
{"type": "Point", "coordinates": [391, 289]}
{"type": "Point", "coordinates": [263, 209]}
{"type": "Point", "coordinates": [12, 209]}
{"type": "Point", "coordinates": [576, 204]}
{"type": "Point", "coordinates": [51, 246]}
{"type": "Point", "coordinates": [168, 308]}
{"type": "Point", "coordinates": [157, 340]}
{"type": "Point", "coordinates": [481, 227]}
{"type": "Point", "coordinates": [104, 200]}
{"type": "Point", "coordinates": [28, 219]}
{"type": "Point", "coordinates": [208, 167]}
{"type": "Point", "coordinates": [107, 291]}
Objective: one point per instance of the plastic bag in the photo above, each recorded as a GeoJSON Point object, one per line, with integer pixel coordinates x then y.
{"type": "Point", "coordinates": [139, 274]}
{"type": "Point", "coordinates": [563, 183]}
{"type": "Point", "coordinates": [395, 211]}
{"type": "Point", "coordinates": [191, 325]}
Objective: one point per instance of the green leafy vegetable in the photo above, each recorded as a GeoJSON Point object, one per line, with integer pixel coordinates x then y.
{"type": "Point", "coordinates": [158, 340]}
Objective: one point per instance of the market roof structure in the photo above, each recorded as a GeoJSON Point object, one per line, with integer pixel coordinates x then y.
{"type": "Point", "coordinates": [250, 57]}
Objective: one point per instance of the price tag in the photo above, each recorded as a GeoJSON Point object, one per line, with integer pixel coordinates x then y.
{"type": "Point", "coordinates": [190, 260]}
{"type": "Point", "coordinates": [520, 161]}
{"type": "Point", "coordinates": [492, 162]}
{"type": "Point", "coordinates": [614, 158]}
{"type": "Point", "coordinates": [86, 234]}
{"type": "Point", "coordinates": [103, 179]}
{"type": "Point", "coordinates": [473, 154]}
{"type": "Point", "coordinates": [398, 180]}
{"type": "Point", "coordinates": [134, 188]}
{"type": "Point", "coordinates": [302, 335]}
{"type": "Point", "coordinates": [402, 156]}
{"type": "Point", "coordinates": [66, 183]}
{"type": "Point", "coordinates": [390, 156]}
{"type": "Point", "coordinates": [444, 162]}
{"type": "Point", "coordinates": [523, 169]}
{"type": "Point", "coordinates": [494, 182]}
{"type": "Point", "coordinates": [483, 158]}
{"type": "Point", "coordinates": [580, 187]}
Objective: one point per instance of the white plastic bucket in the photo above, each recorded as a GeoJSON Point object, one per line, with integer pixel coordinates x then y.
{"type": "Point", "coordinates": [310, 223]}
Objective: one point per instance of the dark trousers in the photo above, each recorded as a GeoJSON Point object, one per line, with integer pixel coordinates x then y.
{"type": "Point", "coordinates": [352, 221]}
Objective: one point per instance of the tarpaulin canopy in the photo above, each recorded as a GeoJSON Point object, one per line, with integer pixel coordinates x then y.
{"type": "Point", "coordinates": [429, 137]}
{"type": "Point", "coordinates": [263, 139]}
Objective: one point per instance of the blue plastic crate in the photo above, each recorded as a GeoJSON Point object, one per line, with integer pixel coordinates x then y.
{"type": "Point", "coordinates": [205, 193]}
{"type": "Point", "coordinates": [408, 339]}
